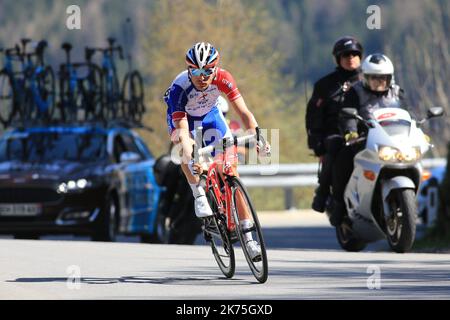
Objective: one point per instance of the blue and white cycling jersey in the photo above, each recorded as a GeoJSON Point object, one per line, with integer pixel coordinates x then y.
{"type": "Point", "coordinates": [200, 108]}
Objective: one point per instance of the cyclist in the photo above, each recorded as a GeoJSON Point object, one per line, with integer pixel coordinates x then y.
{"type": "Point", "coordinates": [376, 90]}
{"type": "Point", "coordinates": [191, 102]}
{"type": "Point", "coordinates": [323, 109]}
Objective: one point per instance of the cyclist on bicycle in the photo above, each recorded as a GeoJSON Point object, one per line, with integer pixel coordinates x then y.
{"type": "Point", "coordinates": [192, 102]}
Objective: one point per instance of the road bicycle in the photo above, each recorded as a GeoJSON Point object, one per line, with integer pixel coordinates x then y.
{"type": "Point", "coordinates": [231, 205]}
{"type": "Point", "coordinates": [81, 89]}
{"type": "Point", "coordinates": [39, 84]}
{"type": "Point", "coordinates": [30, 92]}
{"type": "Point", "coordinates": [132, 105]}
{"type": "Point", "coordinates": [111, 87]}
{"type": "Point", "coordinates": [11, 82]}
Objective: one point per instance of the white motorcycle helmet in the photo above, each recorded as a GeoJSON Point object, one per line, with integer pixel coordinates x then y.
{"type": "Point", "coordinates": [377, 64]}
{"type": "Point", "coordinates": [222, 105]}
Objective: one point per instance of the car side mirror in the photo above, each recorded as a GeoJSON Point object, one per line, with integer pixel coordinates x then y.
{"type": "Point", "coordinates": [435, 112]}
{"type": "Point", "coordinates": [129, 156]}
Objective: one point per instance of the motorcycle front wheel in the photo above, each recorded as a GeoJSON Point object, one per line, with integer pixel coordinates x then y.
{"type": "Point", "coordinates": [401, 223]}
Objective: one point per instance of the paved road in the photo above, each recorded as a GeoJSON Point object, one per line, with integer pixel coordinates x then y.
{"type": "Point", "coordinates": [303, 229]}
{"type": "Point", "coordinates": [304, 258]}
{"type": "Point", "coordinates": [45, 269]}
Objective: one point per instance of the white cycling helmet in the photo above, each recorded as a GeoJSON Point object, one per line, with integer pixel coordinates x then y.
{"type": "Point", "coordinates": [377, 64]}
{"type": "Point", "coordinates": [222, 105]}
{"type": "Point", "coordinates": [202, 55]}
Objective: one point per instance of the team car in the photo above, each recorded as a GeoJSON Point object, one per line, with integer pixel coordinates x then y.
{"type": "Point", "coordinates": [428, 195]}
{"type": "Point", "coordinates": [83, 180]}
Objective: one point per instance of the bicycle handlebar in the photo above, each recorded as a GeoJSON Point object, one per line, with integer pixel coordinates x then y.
{"type": "Point", "coordinates": [91, 51]}
{"type": "Point", "coordinates": [238, 142]}
{"type": "Point", "coordinates": [226, 141]}
{"type": "Point", "coordinates": [14, 52]}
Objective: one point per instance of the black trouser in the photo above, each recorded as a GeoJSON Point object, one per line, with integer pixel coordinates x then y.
{"type": "Point", "coordinates": [333, 144]}
{"type": "Point", "coordinates": [342, 170]}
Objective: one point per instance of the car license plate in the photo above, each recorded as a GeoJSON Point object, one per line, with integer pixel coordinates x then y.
{"type": "Point", "coordinates": [20, 210]}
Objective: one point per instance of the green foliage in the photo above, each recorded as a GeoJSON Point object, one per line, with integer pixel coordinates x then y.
{"type": "Point", "coordinates": [247, 39]}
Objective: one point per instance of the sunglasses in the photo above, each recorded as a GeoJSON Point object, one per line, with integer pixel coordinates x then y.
{"type": "Point", "coordinates": [198, 72]}
{"type": "Point", "coordinates": [378, 77]}
{"type": "Point", "coordinates": [350, 53]}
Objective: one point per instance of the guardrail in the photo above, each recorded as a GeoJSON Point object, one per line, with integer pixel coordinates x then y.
{"type": "Point", "coordinates": [290, 176]}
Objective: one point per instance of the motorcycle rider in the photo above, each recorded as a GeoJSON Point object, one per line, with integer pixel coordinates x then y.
{"type": "Point", "coordinates": [323, 109]}
{"type": "Point", "coordinates": [376, 90]}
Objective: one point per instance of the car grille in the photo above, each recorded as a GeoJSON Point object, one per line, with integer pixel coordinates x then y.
{"type": "Point", "coordinates": [28, 195]}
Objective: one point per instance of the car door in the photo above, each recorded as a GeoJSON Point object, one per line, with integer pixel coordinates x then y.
{"type": "Point", "coordinates": [137, 186]}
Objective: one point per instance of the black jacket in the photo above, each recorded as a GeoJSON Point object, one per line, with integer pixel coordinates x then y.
{"type": "Point", "coordinates": [366, 101]}
{"type": "Point", "coordinates": [322, 111]}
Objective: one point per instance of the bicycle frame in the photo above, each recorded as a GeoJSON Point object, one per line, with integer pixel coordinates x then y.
{"type": "Point", "coordinates": [34, 71]}
{"type": "Point", "coordinates": [9, 69]}
{"type": "Point", "coordinates": [225, 164]}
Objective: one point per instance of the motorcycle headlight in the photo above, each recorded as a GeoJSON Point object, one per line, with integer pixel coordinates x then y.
{"type": "Point", "coordinates": [395, 155]}
{"type": "Point", "coordinates": [73, 185]}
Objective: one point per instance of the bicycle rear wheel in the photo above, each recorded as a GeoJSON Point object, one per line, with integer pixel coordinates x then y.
{"type": "Point", "coordinates": [133, 96]}
{"type": "Point", "coordinates": [220, 242]}
{"type": "Point", "coordinates": [7, 100]}
{"type": "Point", "coordinates": [242, 206]}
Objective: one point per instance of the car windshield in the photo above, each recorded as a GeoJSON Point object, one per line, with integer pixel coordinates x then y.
{"type": "Point", "coordinates": [396, 127]}
{"type": "Point", "coordinates": [45, 147]}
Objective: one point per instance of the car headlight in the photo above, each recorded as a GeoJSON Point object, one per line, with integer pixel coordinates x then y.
{"type": "Point", "coordinates": [73, 185]}
{"type": "Point", "coordinates": [395, 155]}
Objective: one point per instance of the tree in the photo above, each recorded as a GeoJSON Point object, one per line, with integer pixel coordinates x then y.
{"type": "Point", "coordinates": [422, 60]}
{"type": "Point", "coordinates": [247, 39]}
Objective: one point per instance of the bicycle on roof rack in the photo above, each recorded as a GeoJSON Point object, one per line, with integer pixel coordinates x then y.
{"type": "Point", "coordinates": [81, 89]}
{"type": "Point", "coordinates": [39, 84]}
{"type": "Point", "coordinates": [111, 88]}
{"type": "Point", "coordinates": [11, 82]}
{"type": "Point", "coordinates": [30, 92]}
{"type": "Point", "coordinates": [132, 87]}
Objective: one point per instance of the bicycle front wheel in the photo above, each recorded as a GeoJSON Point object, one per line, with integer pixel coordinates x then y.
{"type": "Point", "coordinates": [220, 240]}
{"type": "Point", "coordinates": [248, 229]}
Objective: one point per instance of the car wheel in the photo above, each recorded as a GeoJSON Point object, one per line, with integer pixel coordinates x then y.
{"type": "Point", "coordinates": [106, 227]}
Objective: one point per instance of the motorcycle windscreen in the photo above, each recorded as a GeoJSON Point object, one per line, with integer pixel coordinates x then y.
{"type": "Point", "coordinates": [396, 127]}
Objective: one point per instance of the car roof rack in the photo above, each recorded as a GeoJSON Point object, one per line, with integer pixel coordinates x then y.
{"type": "Point", "coordinates": [129, 124]}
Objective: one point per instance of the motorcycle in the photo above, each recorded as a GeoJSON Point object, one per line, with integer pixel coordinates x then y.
{"type": "Point", "coordinates": [176, 222]}
{"type": "Point", "coordinates": [380, 195]}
